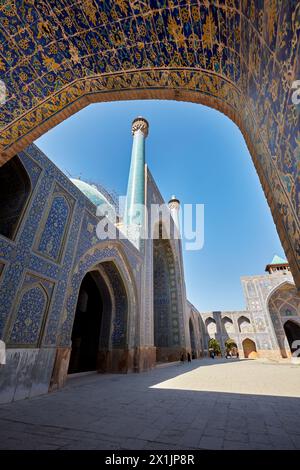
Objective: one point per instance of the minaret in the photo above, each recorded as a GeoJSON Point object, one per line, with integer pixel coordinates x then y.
{"type": "Point", "coordinates": [174, 206]}
{"type": "Point", "coordinates": [136, 182]}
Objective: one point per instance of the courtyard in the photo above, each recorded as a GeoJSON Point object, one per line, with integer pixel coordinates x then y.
{"type": "Point", "coordinates": [208, 404]}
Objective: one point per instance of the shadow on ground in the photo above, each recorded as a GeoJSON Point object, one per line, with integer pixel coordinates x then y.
{"type": "Point", "coordinates": [135, 412]}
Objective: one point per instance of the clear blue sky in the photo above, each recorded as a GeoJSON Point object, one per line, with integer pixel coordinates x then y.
{"type": "Point", "coordinates": [199, 155]}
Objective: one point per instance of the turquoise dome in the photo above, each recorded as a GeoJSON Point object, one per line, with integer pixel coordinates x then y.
{"type": "Point", "coordinates": [91, 192]}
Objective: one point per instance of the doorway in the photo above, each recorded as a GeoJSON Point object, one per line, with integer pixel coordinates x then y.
{"type": "Point", "coordinates": [249, 348]}
{"type": "Point", "coordinates": [292, 331]}
{"type": "Point", "coordinates": [87, 327]}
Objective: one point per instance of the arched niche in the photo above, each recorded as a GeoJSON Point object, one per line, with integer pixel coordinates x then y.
{"type": "Point", "coordinates": [165, 300]}
{"type": "Point", "coordinates": [211, 327]}
{"type": "Point", "coordinates": [227, 326]}
{"type": "Point", "coordinates": [249, 348]}
{"type": "Point", "coordinates": [244, 325]}
{"type": "Point", "coordinates": [15, 188]}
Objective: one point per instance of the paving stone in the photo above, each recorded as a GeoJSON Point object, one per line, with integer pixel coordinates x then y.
{"type": "Point", "coordinates": [225, 406]}
{"type": "Point", "coordinates": [237, 436]}
{"type": "Point", "coordinates": [281, 442]}
{"type": "Point", "coordinates": [211, 432]}
{"type": "Point", "coordinates": [235, 445]}
{"type": "Point", "coordinates": [296, 440]}
{"type": "Point", "coordinates": [260, 438]}
{"type": "Point", "coordinates": [208, 442]}
{"type": "Point", "coordinates": [190, 438]}
{"type": "Point", "coordinates": [149, 434]}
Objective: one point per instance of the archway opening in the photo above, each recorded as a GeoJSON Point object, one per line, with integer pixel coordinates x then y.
{"type": "Point", "coordinates": [211, 327]}
{"type": "Point", "coordinates": [227, 326]}
{"type": "Point", "coordinates": [165, 297]}
{"type": "Point", "coordinates": [87, 327]}
{"type": "Point", "coordinates": [100, 337]}
{"type": "Point", "coordinates": [244, 325]}
{"type": "Point", "coordinates": [292, 331]}
{"type": "Point", "coordinates": [15, 188]}
{"type": "Point", "coordinates": [230, 347]}
{"type": "Point", "coordinates": [249, 348]}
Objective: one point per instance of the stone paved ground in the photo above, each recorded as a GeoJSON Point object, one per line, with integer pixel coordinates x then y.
{"type": "Point", "coordinates": [209, 404]}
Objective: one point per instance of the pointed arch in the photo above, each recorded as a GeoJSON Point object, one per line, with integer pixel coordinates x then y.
{"type": "Point", "coordinates": [27, 324]}
{"type": "Point", "coordinates": [211, 327]}
{"type": "Point", "coordinates": [249, 348]}
{"type": "Point", "coordinates": [227, 325]}
{"type": "Point", "coordinates": [283, 304]}
{"type": "Point", "coordinates": [175, 58]}
{"type": "Point", "coordinates": [244, 324]}
{"type": "Point", "coordinates": [282, 284]}
{"type": "Point", "coordinates": [292, 331]}
{"type": "Point", "coordinates": [15, 189]}
{"type": "Point", "coordinates": [167, 335]}
{"type": "Point", "coordinates": [100, 326]}
{"type": "Point", "coordinates": [55, 225]}
{"type": "Point", "coordinates": [109, 253]}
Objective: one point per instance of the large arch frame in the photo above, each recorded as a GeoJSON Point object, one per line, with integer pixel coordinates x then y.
{"type": "Point", "coordinates": [278, 331]}
{"type": "Point", "coordinates": [101, 284]}
{"type": "Point", "coordinates": [93, 260]}
{"type": "Point", "coordinates": [275, 288]}
{"type": "Point", "coordinates": [177, 341]}
{"type": "Point", "coordinates": [99, 254]}
{"type": "Point", "coordinates": [240, 57]}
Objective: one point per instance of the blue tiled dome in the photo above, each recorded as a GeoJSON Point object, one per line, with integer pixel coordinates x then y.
{"type": "Point", "coordinates": [91, 192]}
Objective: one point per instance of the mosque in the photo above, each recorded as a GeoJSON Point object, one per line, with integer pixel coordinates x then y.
{"type": "Point", "coordinates": [73, 302]}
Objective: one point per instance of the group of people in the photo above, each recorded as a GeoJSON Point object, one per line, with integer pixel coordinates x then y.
{"type": "Point", "coordinates": [228, 355]}
{"type": "Point", "coordinates": [182, 357]}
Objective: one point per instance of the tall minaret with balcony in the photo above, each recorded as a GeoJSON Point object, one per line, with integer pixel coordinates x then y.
{"type": "Point", "coordinates": [174, 206]}
{"type": "Point", "coordinates": [135, 198]}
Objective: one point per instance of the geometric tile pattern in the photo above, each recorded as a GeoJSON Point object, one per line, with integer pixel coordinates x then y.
{"type": "Point", "coordinates": [119, 326]}
{"type": "Point", "coordinates": [285, 301]}
{"type": "Point", "coordinates": [39, 308]}
{"type": "Point", "coordinates": [166, 317]}
{"type": "Point", "coordinates": [54, 229]}
{"type": "Point", "coordinates": [284, 304]}
{"type": "Point", "coordinates": [31, 307]}
{"type": "Point", "coordinates": [29, 317]}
